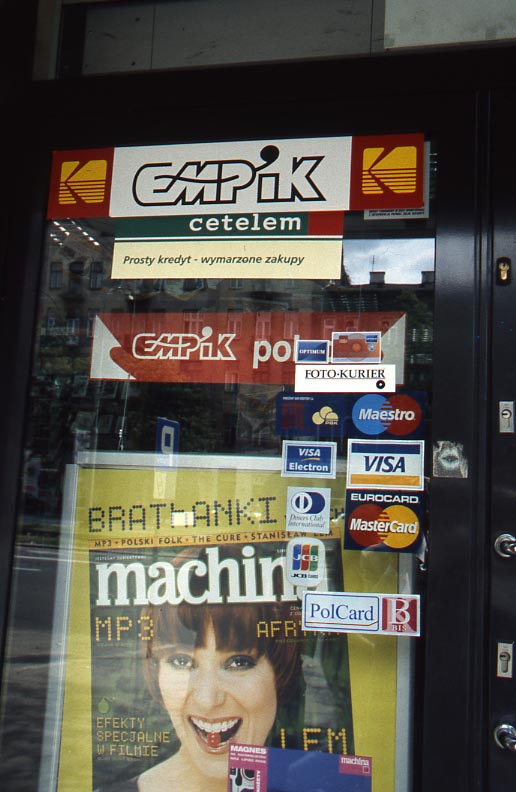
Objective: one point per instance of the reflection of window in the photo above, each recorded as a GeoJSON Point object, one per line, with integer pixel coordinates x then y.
{"type": "Point", "coordinates": [73, 326]}
{"type": "Point", "coordinates": [231, 381]}
{"type": "Point", "coordinates": [234, 324]}
{"type": "Point", "coordinates": [329, 327]}
{"type": "Point", "coordinates": [235, 283]}
{"type": "Point", "coordinates": [263, 325]}
{"type": "Point", "coordinates": [55, 280]}
{"type": "Point", "coordinates": [90, 321]}
{"type": "Point", "coordinates": [193, 322]}
{"type": "Point", "coordinates": [290, 326]}
{"type": "Point", "coordinates": [96, 274]}
{"type": "Point", "coordinates": [52, 320]}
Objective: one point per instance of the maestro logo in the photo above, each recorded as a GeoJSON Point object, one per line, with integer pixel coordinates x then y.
{"type": "Point", "coordinates": [396, 527]}
{"type": "Point", "coordinates": [305, 562]}
{"type": "Point", "coordinates": [397, 415]}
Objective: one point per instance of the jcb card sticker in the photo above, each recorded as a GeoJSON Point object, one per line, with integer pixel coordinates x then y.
{"type": "Point", "coordinates": [253, 768]}
{"type": "Point", "coordinates": [380, 614]}
{"type": "Point", "coordinates": [385, 464]}
{"type": "Point", "coordinates": [384, 521]}
{"type": "Point", "coordinates": [355, 348]}
{"type": "Point", "coordinates": [399, 415]}
{"type": "Point", "coordinates": [308, 510]}
{"type": "Point", "coordinates": [305, 561]}
{"type": "Point", "coordinates": [361, 378]}
{"type": "Point", "coordinates": [316, 460]}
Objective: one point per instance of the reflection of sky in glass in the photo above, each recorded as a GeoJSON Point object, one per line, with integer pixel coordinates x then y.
{"type": "Point", "coordinates": [402, 260]}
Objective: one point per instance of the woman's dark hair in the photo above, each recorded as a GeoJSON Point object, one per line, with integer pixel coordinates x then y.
{"type": "Point", "coordinates": [242, 627]}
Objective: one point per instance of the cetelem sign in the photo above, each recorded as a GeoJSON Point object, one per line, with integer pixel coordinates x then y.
{"type": "Point", "coordinates": [287, 245]}
{"type": "Point", "coordinates": [385, 464]}
{"type": "Point", "coordinates": [307, 174]}
{"type": "Point", "coordinates": [381, 614]}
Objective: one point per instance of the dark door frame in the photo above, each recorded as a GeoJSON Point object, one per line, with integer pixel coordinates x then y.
{"type": "Point", "coordinates": [446, 97]}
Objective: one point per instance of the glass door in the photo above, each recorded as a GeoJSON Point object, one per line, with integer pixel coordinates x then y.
{"type": "Point", "coordinates": [239, 415]}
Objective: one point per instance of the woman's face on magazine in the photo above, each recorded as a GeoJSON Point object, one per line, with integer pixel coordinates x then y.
{"type": "Point", "coordinates": [215, 698]}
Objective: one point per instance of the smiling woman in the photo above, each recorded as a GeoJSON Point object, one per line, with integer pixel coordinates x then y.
{"type": "Point", "coordinates": [219, 684]}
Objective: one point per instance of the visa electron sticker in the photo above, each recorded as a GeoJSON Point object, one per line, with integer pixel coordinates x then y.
{"type": "Point", "coordinates": [317, 460]}
{"type": "Point", "coordinates": [385, 464]}
{"type": "Point", "coordinates": [384, 521]}
{"type": "Point", "coordinates": [399, 415]}
{"type": "Point", "coordinates": [308, 510]}
{"type": "Point", "coordinates": [305, 561]}
{"type": "Point", "coordinates": [380, 614]}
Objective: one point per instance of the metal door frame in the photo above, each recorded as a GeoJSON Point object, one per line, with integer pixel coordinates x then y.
{"type": "Point", "coordinates": [404, 93]}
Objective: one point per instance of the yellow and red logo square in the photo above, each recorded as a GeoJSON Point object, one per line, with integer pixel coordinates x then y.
{"type": "Point", "coordinates": [387, 172]}
{"type": "Point", "coordinates": [80, 183]}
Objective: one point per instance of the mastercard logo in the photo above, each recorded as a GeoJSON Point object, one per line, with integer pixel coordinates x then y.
{"type": "Point", "coordinates": [396, 527]}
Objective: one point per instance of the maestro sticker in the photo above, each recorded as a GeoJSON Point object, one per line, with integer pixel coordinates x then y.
{"type": "Point", "coordinates": [384, 521]}
{"type": "Point", "coordinates": [398, 415]}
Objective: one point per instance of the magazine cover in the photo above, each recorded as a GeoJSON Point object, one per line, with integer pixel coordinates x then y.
{"type": "Point", "coordinates": [184, 633]}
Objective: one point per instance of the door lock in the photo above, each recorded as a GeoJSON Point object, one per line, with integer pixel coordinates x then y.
{"type": "Point", "coordinates": [505, 545]}
{"type": "Point", "coordinates": [503, 271]}
{"type": "Point", "coordinates": [505, 737]}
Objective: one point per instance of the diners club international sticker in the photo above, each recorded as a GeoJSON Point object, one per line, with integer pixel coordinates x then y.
{"type": "Point", "coordinates": [384, 521]}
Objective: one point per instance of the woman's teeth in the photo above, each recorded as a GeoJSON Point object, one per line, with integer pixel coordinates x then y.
{"type": "Point", "coordinates": [217, 733]}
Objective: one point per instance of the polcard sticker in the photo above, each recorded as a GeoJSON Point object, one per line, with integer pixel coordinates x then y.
{"type": "Point", "coordinates": [379, 614]}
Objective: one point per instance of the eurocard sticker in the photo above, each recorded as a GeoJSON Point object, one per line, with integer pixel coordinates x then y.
{"type": "Point", "coordinates": [306, 561]}
{"type": "Point", "coordinates": [379, 614]}
{"type": "Point", "coordinates": [384, 521]}
{"type": "Point", "coordinates": [385, 464]}
{"type": "Point", "coordinates": [308, 510]}
{"type": "Point", "coordinates": [316, 460]}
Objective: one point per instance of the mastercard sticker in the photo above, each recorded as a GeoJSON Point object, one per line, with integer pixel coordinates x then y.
{"type": "Point", "coordinates": [384, 521]}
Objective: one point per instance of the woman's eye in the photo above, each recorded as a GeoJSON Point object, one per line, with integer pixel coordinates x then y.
{"type": "Point", "coordinates": [240, 662]}
{"type": "Point", "coordinates": [182, 661]}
